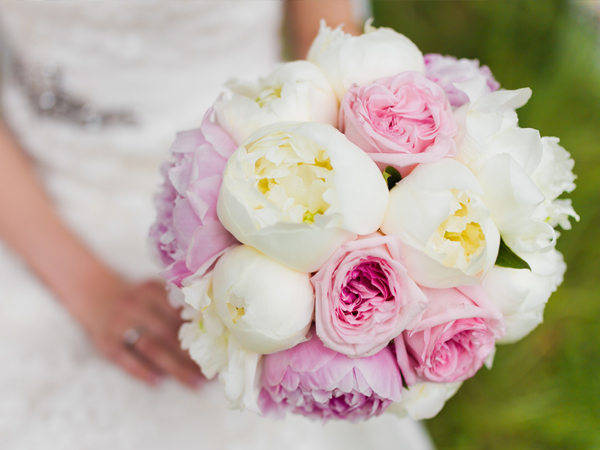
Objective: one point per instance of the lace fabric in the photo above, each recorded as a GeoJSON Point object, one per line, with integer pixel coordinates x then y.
{"type": "Point", "coordinates": [129, 76]}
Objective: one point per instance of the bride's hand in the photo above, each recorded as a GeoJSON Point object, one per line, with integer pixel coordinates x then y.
{"type": "Point", "coordinates": [112, 312]}
{"type": "Point", "coordinates": [136, 328]}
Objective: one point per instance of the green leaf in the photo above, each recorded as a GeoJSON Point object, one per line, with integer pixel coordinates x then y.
{"type": "Point", "coordinates": [508, 258]}
{"type": "Point", "coordinates": [391, 177]}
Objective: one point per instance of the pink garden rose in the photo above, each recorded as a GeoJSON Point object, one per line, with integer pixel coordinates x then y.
{"type": "Point", "coordinates": [317, 382]}
{"type": "Point", "coordinates": [187, 234]}
{"type": "Point", "coordinates": [447, 70]}
{"type": "Point", "coordinates": [453, 337]}
{"type": "Point", "coordinates": [400, 121]}
{"type": "Point", "coordinates": [364, 296]}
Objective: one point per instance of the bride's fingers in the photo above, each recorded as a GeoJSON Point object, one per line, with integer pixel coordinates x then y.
{"type": "Point", "coordinates": [136, 367]}
{"type": "Point", "coordinates": [165, 360]}
{"type": "Point", "coordinates": [160, 305]}
{"type": "Point", "coordinates": [156, 325]}
{"type": "Point", "coordinates": [159, 302]}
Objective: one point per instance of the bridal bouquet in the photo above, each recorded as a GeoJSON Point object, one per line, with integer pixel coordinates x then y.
{"type": "Point", "coordinates": [355, 233]}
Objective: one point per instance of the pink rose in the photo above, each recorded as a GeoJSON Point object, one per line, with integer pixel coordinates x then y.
{"type": "Point", "coordinates": [364, 296]}
{"type": "Point", "coordinates": [317, 382]}
{"type": "Point", "coordinates": [187, 234]}
{"type": "Point", "coordinates": [447, 70]}
{"type": "Point", "coordinates": [400, 121]}
{"type": "Point", "coordinates": [452, 338]}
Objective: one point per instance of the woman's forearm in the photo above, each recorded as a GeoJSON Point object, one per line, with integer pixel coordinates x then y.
{"type": "Point", "coordinates": [31, 227]}
{"type": "Point", "coordinates": [303, 17]}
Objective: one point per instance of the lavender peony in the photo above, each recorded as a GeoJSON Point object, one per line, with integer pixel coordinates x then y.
{"type": "Point", "coordinates": [187, 235]}
{"type": "Point", "coordinates": [317, 382]}
{"type": "Point", "coordinates": [447, 70]}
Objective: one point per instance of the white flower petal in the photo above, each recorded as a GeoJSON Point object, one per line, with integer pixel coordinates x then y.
{"type": "Point", "coordinates": [297, 192]}
{"type": "Point", "coordinates": [295, 91]}
{"type": "Point", "coordinates": [424, 400]}
{"type": "Point", "coordinates": [348, 60]}
{"type": "Point", "coordinates": [521, 295]}
{"type": "Point", "coordinates": [266, 306]}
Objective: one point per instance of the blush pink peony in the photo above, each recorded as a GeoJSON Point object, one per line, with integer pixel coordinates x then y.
{"type": "Point", "coordinates": [453, 337]}
{"type": "Point", "coordinates": [447, 70]}
{"type": "Point", "coordinates": [187, 234]}
{"type": "Point", "coordinates": [317, 382]}
{"type": "Point", "coordinates": [364, 296]}
{"type": "Point", "coordinates": [400, 121]}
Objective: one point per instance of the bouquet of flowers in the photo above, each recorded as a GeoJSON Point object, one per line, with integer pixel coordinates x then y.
{"type": "Point", "coordinates": [355, 233]}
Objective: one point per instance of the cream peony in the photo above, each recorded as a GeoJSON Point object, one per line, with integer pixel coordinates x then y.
{"type": "Point", "coordinates": [553, 176]}
{"type": "Point", "coordinates": [423, 400]}
{"type": "Point", "coordinates": [447, 234]}
{"type": "Point", "coordinates": [266, 306]}
{"type": "Point", "coordinates": [521, 295]}
{"type": "Point", "coordinates": [214, 349]}
{"type": "Point", "coordinates": [486, 117]}
{"type": "Point", "coordinates": [516, 167]}
{"type": "Point", "coordinates": [296, 192]}
{"type": "Point", "coordinates": [295, 91]}
{"type": "Point", "coordinates": [513, 198]}
{"type": "Point", "coordinates": [348, 60]}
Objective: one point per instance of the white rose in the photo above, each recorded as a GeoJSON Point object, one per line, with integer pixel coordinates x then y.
{"type": "Point", "coordinates": [266, 306]}
{"type": "Point", "coordinates": [521, 295]}
{"type": "Point", "coordinates": [447, 234]}
{"type": "Point", "coordinates": [348, 60]}
{"type": "Point", "coordinates": [295, 91]}
{"type": "Point", "coordinates": [296, 192]}
{"type": "Point", "coordinates": [212, 347]}
{"type": "Point", "coordinates": [423, 400]}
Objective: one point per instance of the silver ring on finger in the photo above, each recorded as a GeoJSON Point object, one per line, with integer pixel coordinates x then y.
{"type": "Point", "coordinates": [132, 335]}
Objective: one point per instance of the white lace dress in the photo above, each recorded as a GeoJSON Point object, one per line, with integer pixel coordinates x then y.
{"type": "Point", "coordinates": [95, 93]}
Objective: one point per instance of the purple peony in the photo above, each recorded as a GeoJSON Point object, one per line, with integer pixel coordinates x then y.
{"type": "Point", "coordinates": [187, 234]}
{"type": "Point", "coordinates": [447, 70]}
{"type": "Point", "coordinates": [314, 381]}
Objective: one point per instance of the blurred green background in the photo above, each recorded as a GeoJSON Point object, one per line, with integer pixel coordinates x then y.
{"type": "Point", "coordinates": [544, 391]}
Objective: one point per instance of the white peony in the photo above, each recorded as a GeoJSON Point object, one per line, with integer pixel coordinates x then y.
{"type": "Point", "coordinates": [521, 295]}
{"type": "Point", "coordinates": [212, 347]}
{"type": "Point", "coordinates": [348, 60]}
{"type": "Point", "coordinates": [423, 400]}
{"type": "Point", "coordinates": [486, 117]}
{"type": "Point", "coordinates": [513, 198]}
{"type": "Point", "coordinates": [447, 234]}
{"type": "Point", "coordinates": [295, 91]}
{"type": "Point", "coordinates": [506, 159]}
{"type": "Point", "coordinates": [296, 192]}
{"type": "Point", "coordinates": [553, 176]}
{"type": "Point", "coordinates": [556, 212]}
{"type": "Point", "coordinates": [266, 306]}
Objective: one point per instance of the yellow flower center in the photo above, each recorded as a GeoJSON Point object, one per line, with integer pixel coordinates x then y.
{"type": "Point", "coordinates": [470, 238]}
{"type": "Point", "coordinates": [293, 176]}
{"type": "Point", "coordinates": [461, 227]}
{"type": "Point", "coordinates": [268, 94]}
{"type": "Point", "coordinates": [235, 312]}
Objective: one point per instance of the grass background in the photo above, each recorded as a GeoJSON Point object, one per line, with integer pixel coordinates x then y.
{"type": "Point", "coordinates": [544, 391]}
